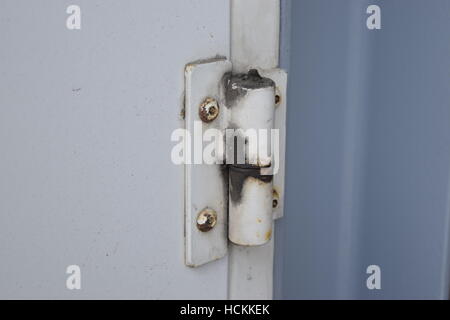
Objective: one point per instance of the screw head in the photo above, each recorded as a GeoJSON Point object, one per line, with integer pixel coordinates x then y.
{"type": "Point", "coordinates": [206, 220]}
{"type": "Point", "coordinates": [275, 198]}
{"type": "Point", "coordinates": [209, 110]}
{"type": "Point", "coordinates": [277, 97]}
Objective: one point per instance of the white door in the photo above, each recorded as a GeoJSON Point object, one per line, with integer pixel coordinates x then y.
{"type": "Point", "coordinates": [89, 97]}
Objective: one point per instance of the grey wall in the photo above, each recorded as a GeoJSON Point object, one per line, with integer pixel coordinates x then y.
{"type": "Point", "coordinates": [85, 123]}
{"type": "Point", "coordinates": [368, 160]}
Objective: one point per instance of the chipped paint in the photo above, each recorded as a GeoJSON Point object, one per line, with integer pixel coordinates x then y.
{"type": "Point", "coordinates": [238, 85]}
{"type": "Point", "coordinates": [239, 175]}
{"type": "Point", "coordinates": [250, 206]}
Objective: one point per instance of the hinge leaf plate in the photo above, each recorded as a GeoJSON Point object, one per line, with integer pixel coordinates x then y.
{"type": "Point", "coordinates": [205, 185]}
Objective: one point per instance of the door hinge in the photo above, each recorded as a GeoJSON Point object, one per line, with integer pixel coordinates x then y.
{"type": "Point", "coordinates": [234, 157]}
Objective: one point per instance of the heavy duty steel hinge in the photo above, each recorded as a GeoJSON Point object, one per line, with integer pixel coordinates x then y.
{"type": "Point", "coordinates": [234, 157]}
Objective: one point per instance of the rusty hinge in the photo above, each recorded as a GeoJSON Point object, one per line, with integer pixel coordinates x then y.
{"type": "Point", "coordinates": [234, 148]}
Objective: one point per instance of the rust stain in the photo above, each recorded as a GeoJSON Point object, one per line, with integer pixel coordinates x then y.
{"type": "Point", "coordinates": [237, 85]}
{"type": "Point", "coordinates": [206, 220]}
{"type": "Point", "coordinates": [275, 197]}
{"type": "Point", "coordinates": [239, 174]}
{"type": "Point", "coordinates": [209, 110]}
{"type": "Point", "coordinates": [268, 235]}
{"type": "Point", "coordinates": [277, 97]}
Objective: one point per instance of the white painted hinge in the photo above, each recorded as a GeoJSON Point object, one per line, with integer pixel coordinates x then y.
{"type": "Point", "coordinates": [234, 157]}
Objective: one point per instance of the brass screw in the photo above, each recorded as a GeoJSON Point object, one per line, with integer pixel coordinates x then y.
{"type": "Point", "coordinates": [209, 110]}
{"type": "Point", "coordinates": [206, 220]}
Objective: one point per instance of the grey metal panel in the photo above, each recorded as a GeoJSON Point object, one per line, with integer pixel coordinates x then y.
{"type": "Point", "coordinates": [85, 124]}
{"type": "Point", "coordinates": [406, 208]}
{"type": "Point", "coordinates": [284, 63]}
{"type": "Point", "coordinates": [368, 156]}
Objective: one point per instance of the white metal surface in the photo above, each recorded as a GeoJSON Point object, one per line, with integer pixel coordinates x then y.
{"type": "Point", "coordinates": [205, 185]}
{"type": "Point", "coordinates": [250, 272]}
{"type": "Point", "coordinates": [255, 32]}
{"type": "Point", "coordinates": [250, 216]}
{"type": "Point", "coordinates": [251, 104]}
{"type": "Point", "coordinates": [256, 22]}
{"type": "Point", "coordinates": [279, 76]}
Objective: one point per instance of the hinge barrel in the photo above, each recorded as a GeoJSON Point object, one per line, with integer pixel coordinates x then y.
{"type": "Point", "coordinates": [251, 100]}
{"type": "Point", "coordinates": [250, 214]}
